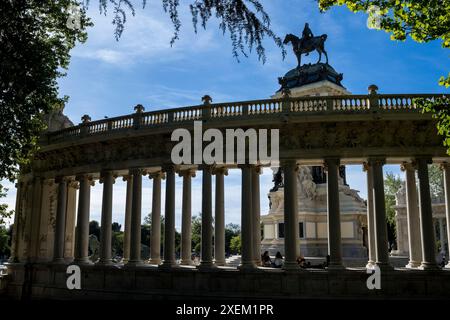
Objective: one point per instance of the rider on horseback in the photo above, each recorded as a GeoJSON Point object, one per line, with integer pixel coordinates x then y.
{"type": "Point", "coordinates": [306, 36]}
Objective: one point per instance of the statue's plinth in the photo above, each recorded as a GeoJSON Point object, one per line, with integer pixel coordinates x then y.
{"type": "Point", "coordinates": [310, 73]}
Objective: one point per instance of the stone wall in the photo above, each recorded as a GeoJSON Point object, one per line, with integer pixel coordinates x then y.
{"type": "Point", "coordinates": [182, 283]}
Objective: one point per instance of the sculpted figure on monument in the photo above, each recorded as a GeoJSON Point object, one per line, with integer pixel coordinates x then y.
{"type": "Point", "coordinates": [307, 44]}
{"type": "Point", "coordinates": [57, 120]}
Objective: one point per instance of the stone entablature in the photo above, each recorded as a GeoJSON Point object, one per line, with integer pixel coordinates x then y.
{"type": "Point", "coordinates": [353, 126]}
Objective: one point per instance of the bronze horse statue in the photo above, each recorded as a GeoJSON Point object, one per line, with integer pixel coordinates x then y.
{"type": "Point", "coordinates": [305, 46]}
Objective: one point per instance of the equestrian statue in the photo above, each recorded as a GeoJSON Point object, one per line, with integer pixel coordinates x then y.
{"type": "Point", "coordinates": [307, 44]}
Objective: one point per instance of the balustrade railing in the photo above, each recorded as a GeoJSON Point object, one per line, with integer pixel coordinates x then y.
{"type": "Point", "coordinates": [247, 109]}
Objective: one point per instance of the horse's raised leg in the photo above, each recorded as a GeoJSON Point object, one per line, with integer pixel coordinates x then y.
{"type": "Point", "coordinates": [326, 55]}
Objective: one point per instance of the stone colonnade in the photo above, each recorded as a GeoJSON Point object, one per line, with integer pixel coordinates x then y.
{"type": "Point", "coordinates": [420, 225]}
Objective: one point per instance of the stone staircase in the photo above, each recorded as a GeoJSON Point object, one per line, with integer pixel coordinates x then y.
{"type": "Point", "coordinates": [233, 261]}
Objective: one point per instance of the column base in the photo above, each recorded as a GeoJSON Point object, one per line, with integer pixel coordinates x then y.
{"type": "Point", "coordinates": [413, 265]}
{"type": "Point", "coordinates": [335, 267]}
{"type": "Point", "coordinates": [247, 266]}
{"type": "Point", "coordinates": [447, 266]}
{"type": "Point", "coordinates": [83, 262]}
{"type": "Point", "coordinates": [134, 264]}
{"type": "Point", "coordinates": [428, 266]}
{"type": "Point", "coordinates": [206, 266]}
{"type": "Point", "coordinates": [187, 262]}
{"type": "Point", "coordinates": [108, 262]}
{"type": "Point", "coordinates": [370, 264]}
{"type": "Point", "coordinates": [59, 261]}
{"type": "Point", "coordinates": [219, 263]}
{"type": "Point", "coordinates": [291, 266]}
{"type": "Point", "coordinates": [384, 266]}
{"type": "Point", "coordinates": [154, 261]}
{"type": "Point", "coordinates": [167, 265]}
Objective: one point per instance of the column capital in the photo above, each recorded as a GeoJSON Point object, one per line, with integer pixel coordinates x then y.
{"type": "Point", "coordinates": [376, 160]}
{"type": "Point", "coordinates": [289, 163]}
{"type": "Point", "coordinates": [169, 168]}
{"type": "Point", "coordinates": [258, 169]}
{"type": "Point", "coordinates": [137, 171]}
{"type": "Point", "coordinates": [85, 176]}
{"type": "Point", "coordinates": [444, 165]}
{"type": "Point", "coordinates": [156, 175]}
{"type": "Point", "coordinates": [127, 177]}
{"type": "Point", "coordinates": [73, 184]}
{"type": "Point", "coordinates": [187, 172]}
{"type": "Point", "coordinates": [408, 166]}
{"type": "Point", "coordinates": [105, 173]}
{"type": "Point", "coordinates": [59, 179]}
{"type": "Point", "coordinates": [38, 178]}
{"type": "Point", "coordinates": [220, 170]}
{"type": "Point", "coordinates": [330, 160]}
{"type": "Point", "coordinates": [48, 182]}
{"type": "Point", "coordinates": [336, 160]}
{"type": "Point", "coordinates": [207, 167]}
{"type": "Point", "coordinates": [365, 166]}
{"type": "Point", "coordinates": [245, 166]}
{"type": "Point", "coordinates": [427, 159]}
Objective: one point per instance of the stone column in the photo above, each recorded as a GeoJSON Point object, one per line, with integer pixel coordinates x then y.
{"type": "Point", "coordinates": [334, 214]}
{"type": "Point", "coordinates": [35, 219]}
{"type": "Point", "coordinates": [370, 217]}
{"type": "Point", "coordinates": [291, 236]}
{"type": "Point", "coordinates": [206, 260]}
{"type": "Point", "coordinates": [82, 229]}
{"type": "Point", "coordinates": [106, 224]}
{"type": "Point", "coordinates": [15, 235]}
{"type": "Point", "coordinates": [381, 239]}
{"type": "Point", "coordinates": [60, 225]}
{"type": "Point", "coordinates": [426, 217]}
{"type": "Point", "coordinates": [446, 170]}
{"type": "Point", "coordinates": [412, 211]}
{"type": "Point", "coordinates": [169, 218]}
{"type": "Point", "coordinates": [136, 207]}
{"type": "Point", "coordinates": [441, 236]}
{"type": "Point", "coordinates": [186, 217]}
{"type": "Point", "coordinates": [256, 207]}
{"type": "Point", "coordinates": [247, 261]}
{"type": "Point", "coordinates": [219, 217]}
{"type": "Point", "coordinates": [127, 233]}
{"type": "Point", "coordinates": [155, 241]}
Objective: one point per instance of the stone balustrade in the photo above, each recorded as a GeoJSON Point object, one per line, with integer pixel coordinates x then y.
{"type": "Point", "coordinates": [258, 108]}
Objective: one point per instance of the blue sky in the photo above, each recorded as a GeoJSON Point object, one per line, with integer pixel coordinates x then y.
{"type": "Point", "coordinates": [108, 78]}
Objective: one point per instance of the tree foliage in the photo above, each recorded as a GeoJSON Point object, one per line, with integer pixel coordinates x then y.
{"type": "Point", "coordinates": [5, 249]}
{"type": "Point", "coordinates": [246, 21]}
{"type": "Point", "coordinates": [35, 41]}
{"type": "Point", "coordinates": [235, 244]}
{"type": "Point", "coordinates": [436, 183]}
{"type": "Point", "coordinates": [4, 212]}
{"type": "Point", "coordinates": [231, 230]}
{"type": "Point", "coordinates": [440, 109]}
{"type": "Point", "coordinates": [423, 21]}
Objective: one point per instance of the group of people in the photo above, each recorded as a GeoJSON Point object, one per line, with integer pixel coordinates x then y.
{"type": "Point", "coordinates": [266, 261]}
{"type": "Point", "coordinates": [278, 262]}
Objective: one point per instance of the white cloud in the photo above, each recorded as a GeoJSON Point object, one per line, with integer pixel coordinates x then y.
{"type": "Point", "coordinates": [146, 38]}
